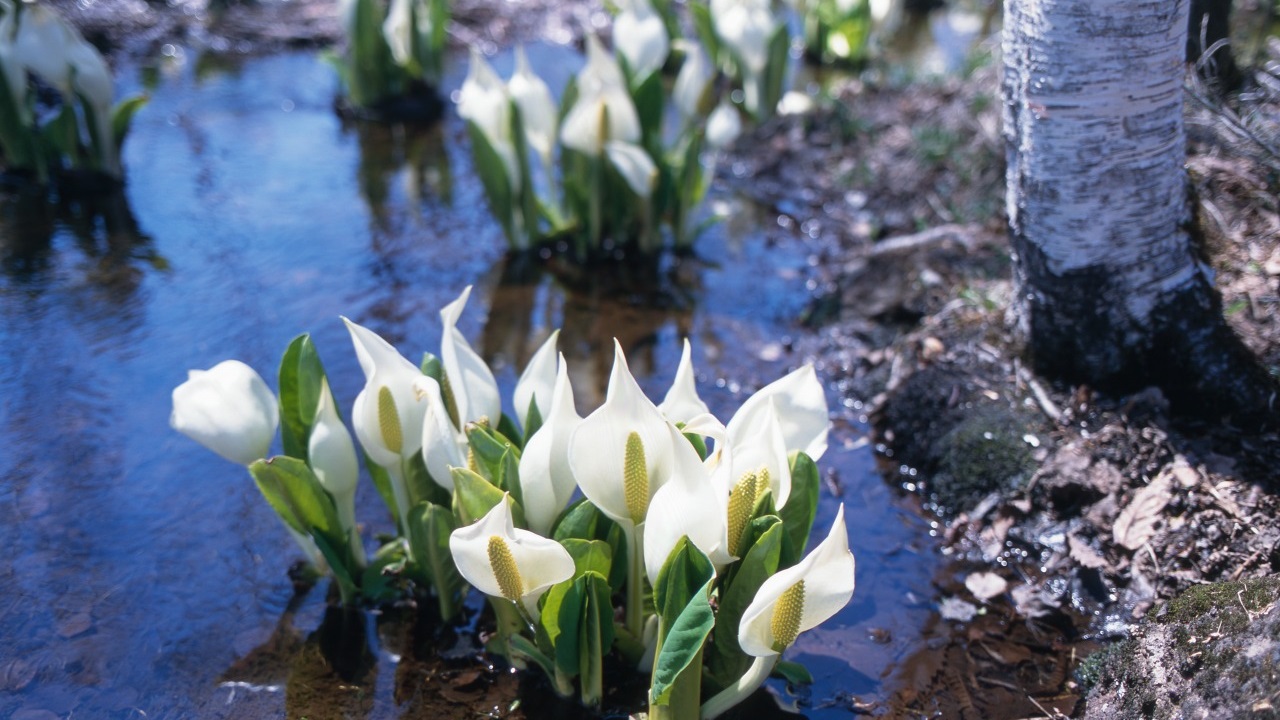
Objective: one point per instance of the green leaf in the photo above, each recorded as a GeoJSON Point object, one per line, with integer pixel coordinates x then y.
{"type": "Point", "coordinates": [497, 184]}
{"type": "Point", "coordinates": [650, 97]}
{"type": "Point", "coordinates": [532, 420]}
{"type": "Point", "coordinates": [474, 497]}
{"type": "Point", "coordinates": [684, 575]}
{"type": "Point", "coordinates": [295, 494]}
{"type": "Point", "coordinates": [561, 616]}
{"type": "Point", "coordinates": [802, 505]}
{"type": "Point", "coordinates": [380, 581]}
{"type": "Point", "coordinates": [420, 485]}
{"type": "Point", "coordinates": [765, 537]}
{"type": "Point", "coordinates": [489, 447]}
{"type": "Point", "coordinates": [589, 556]}
{"type": "Point", "coordinates": [595, 635]}
{"type": "Point", "coordinates": [429, 529]}
{"type": "Point", "coordinates": [301, 382]}
{"type": "Point", "coordinates": [682, 643]}
{"type": "Point", "coordinates": [775, 73]}
{"type": "Point", "coordinates": [793, 672]}
{"type": "Point", "coordinates": [507, 427]}
{"type": "Point", "coordinates": [382, 481]}
{"type": "Point", "coordinates": [122, 118]}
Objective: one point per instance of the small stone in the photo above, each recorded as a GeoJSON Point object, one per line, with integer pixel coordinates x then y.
{"type": "Point", "coordinates": [930, 348]}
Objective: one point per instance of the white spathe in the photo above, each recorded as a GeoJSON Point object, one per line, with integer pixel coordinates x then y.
{"type": "Point", "coordinates": [641, 36]}
{"type": "Point", "coordinates": [828, 577]}
{"type": "Point", "coordinates": [604, 110]}
{"type": "Point", "coordinates": [537, 382]}
{"type": "Point", "coordinates": [597, 450]}
{"type": "Point", "coordinates": [546, 477]}
{"type": "Point", "coordinates": [537, 563]}
{"type": "Point", "coordinates": [538, 111]}
{"type": "Point", "coordinates": [443, 446]}
{"type": "Point", "coordinates": [692, 81]}
{"type": "Point", "coordinates": [475, 392]}
{"type": "Point", "coordinates": [689, 505]}
{"type": "Point", "coordinates": [484, 101]}
{"type": "Point", "coordinates": [330, 451]}
{"type": "Point", "coordinates": [634, 164]}
{"type": "Point", "coordinates": [228, 409]}
{"type": "Point", "coordinates": [681, 402]}
{"type": "Point", "coordinates": [801, 406]}
{"type": "Point", "coordinates": [387, 413]}
{"type": "Point", "coordinates": [724, 125]}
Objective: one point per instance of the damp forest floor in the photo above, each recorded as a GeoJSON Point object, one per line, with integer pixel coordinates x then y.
{"type": "Point", "coordinates": [1071, 516]}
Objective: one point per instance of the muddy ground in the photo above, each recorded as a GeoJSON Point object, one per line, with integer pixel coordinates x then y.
{"type": "Point", "coordinates": [1077, 515]}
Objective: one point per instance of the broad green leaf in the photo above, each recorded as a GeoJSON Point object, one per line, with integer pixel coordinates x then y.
{"type": "Point", "coordinates": [301, 382]}
{"type": "Point", "coordinates": [684, 575]}
{"type": "Point", "coordinates": [765, 539]}
{"type": "Point", "coordinates": [595, 635]}
{"type": "Point", "coordinates": [561, 618]}
{"type": "Point", "coordinates": [429, 529]}
{"type": "Point", "coordinates": [489, 446]}
{"type": "Point", "coordinates": [793, 672]}
{"type": "Point", "coordinates": [339, 564]}
{"type": "Point", "coordinates": [775, 72]}
{"type": "Point", "coordinates": [802, 505]}
{"type": "Point", "coordinates": [532, 420]}
{"type": "Point", "coordinates": [382, 481]}
{"type": "Point", "coordinates": [589, 556]}
{"type": "Point", "coordinates": [380, 582]}
{"type": "Point", "coordinates": [474, 496]}
{"type": "Point", "coordinates": [682, 644]}
{"type": "Point", "coordinates": [296, 495]}
{"type": "Point", "coordinates": [432, 367]}
{"type": "Point", "coordinates": [420, 485]}
{"type": "Point", "coordinates": [509, 475]}
{"type": "Point", "coordinates": [122, 117]}
{"type": "Point", "coordinates": [507, 427]}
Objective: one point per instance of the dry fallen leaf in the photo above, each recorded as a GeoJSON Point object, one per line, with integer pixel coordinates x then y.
{"type": "Point", "coordinates": [986, 585]}
{"type": "Point", "coordinates": [957, 610]}
{"type": "Point", "coordinates": [1084, 554]}
{"type": "Point", "coordinates": [1137, 521]}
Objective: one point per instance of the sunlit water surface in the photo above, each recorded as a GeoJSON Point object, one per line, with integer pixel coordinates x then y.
{"type": "Point", "coordinates": [140, 571]}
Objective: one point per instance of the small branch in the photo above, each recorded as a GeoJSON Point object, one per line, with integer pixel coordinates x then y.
{"type": "Point", "coordinates": [963, 234]}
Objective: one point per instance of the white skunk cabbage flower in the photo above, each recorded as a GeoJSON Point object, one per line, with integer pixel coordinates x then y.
{"type": "Point", "coordinates": [746, 26]}
{"type": "Point", "coordinates": [546, 477]}
{"type": "Point", "coordinates": [681, 403]}
{"type": "Point", "coordinates": [387, 414]}
{"type": "Point", "coordinates": [604, 110]}
{"type": "Point", "coordinates": [332, 457]}
{"type": "Point", "coordinates": [724, 125]}
{"type": "Point", "coordinates": [443, 445]}
{"type": "Point", "coordinates": [483, 100]}
{"type": "Point", "coordinates": [472, 387]}
{"type": "Point", "coordinates": [538, 111]}
{"type": "Point", "coordinates": [504, 561]}
{"type": "Point", "coordinates": [536, 385]}
{"type": "Point", "coordinates": [800, 597]}
{"type": "Point", "coordinates": [641, 36]}
{"type": "Point", "coordinates": [229, 409]}
{"type": "Point", "coordinates": [634, 164]}
{"type": "Point", "coordinates": [691, 505]}
{"type": "Point", "coordinates": [801, 407]}
{"type": "Point", "coordinates": [622, 453]}
{"type": "Point", "coordinates": [692, 81]}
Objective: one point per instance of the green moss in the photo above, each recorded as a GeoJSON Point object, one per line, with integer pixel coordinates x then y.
{"type": "Point", "coordinates": [985, 452]}
{"type": "Point", "coordinates": [1231, 600]}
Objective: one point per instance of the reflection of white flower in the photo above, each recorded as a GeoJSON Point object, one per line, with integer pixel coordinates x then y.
{"type": "Point", "coordinates": [800, 597]}
{"type": "Point", "coordinates": [546, 479]}
{"type": "Point", "coordinates": [504, 561]}
{"type": "Point", "coordinates": [398, 30]}
{"type": "Point", "coordinates": [228, 409]}
{"type": "Point", "coordinates": [641, 37]}
{"type": "Point", "coordinates": [604, 110]}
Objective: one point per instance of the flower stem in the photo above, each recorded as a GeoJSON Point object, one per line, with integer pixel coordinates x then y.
{"type": "Point", "coordinates": [736, 693]}
{"type": "Point", "coordinates": [635, 580]}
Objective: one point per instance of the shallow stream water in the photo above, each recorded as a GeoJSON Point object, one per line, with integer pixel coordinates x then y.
{"type": "Point", "coordinates": [145, 577]}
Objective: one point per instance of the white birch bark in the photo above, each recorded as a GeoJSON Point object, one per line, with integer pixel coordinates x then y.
{"type": "Point", "coordinates": [1110, 291]}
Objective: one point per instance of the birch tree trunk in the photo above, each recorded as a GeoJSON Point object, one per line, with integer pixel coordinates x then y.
{"type": "Point", "coordinates": [1110, 291]}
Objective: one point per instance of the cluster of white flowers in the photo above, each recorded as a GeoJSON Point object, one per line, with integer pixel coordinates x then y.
{"type": "Point", "coordinates": [668, 475]}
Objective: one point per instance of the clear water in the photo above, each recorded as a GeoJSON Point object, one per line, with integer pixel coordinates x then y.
{"type": "Point", "coordinates": [140, 572]}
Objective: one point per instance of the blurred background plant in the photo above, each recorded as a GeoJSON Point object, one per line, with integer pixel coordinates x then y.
{"type": "Point", "coordinates": [630, 171]}
{"type": "Point", "coordinates": [74, 133]}
{"type": "Point", "coordinates": [392, 63]}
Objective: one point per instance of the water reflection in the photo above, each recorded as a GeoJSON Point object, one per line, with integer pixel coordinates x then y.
{"type": "Point", "coordinates": [407, 158]}
{"type": "Point", "coordinates": [110, 248]}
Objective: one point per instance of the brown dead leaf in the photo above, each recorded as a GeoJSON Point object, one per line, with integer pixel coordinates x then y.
{"type": "Point", "coordinates": [1084, 554]}
{"type": "Point", "coordinates": [1137, 522]}
{"type": "Point", "coordinates": [986, 585]}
